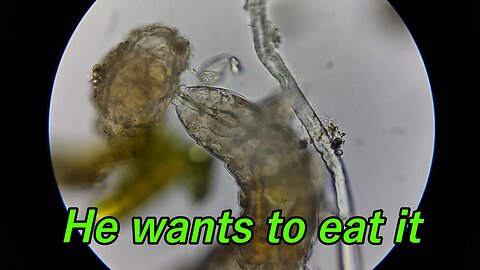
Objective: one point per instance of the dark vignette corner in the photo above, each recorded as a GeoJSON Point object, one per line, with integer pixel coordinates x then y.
{"type": "Point", "coordinates": [443, 32]}
{"type": "Point", "coordinates": [39, 32]}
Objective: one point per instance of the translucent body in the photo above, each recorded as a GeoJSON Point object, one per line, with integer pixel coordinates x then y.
{"type": "Point", "coordinates": [217, 69]}
{"type": "Point", "coordinates": [265, 158]}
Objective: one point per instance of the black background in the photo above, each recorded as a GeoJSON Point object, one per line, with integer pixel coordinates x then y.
{"type": "Point", "coordinates": [33, 214]}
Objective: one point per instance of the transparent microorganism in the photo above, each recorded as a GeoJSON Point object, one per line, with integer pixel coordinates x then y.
{"type": "Point", "coordinates": [263, 154]}
{"type": "Point", "coordinates": [218, 68]}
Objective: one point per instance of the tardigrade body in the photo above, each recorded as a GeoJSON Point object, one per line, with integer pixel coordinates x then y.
{"type": "Point", "coordinates": [271, 169]}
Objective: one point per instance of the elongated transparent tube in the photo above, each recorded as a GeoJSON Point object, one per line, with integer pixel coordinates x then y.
{"type": "Point", "coordinates": [265, 48]}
